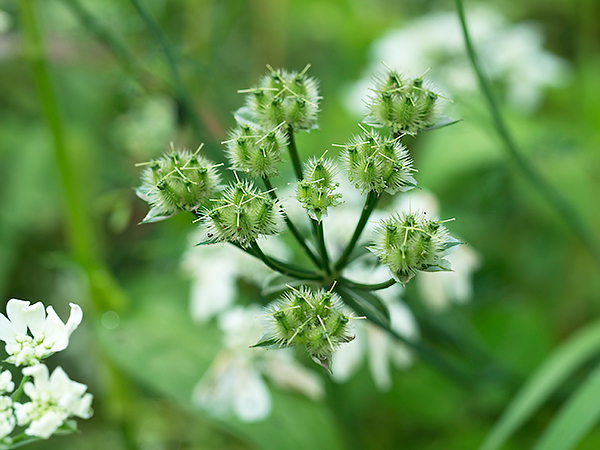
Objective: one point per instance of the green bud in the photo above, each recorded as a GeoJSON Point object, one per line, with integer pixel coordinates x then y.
{"type": "Point", "coordinates": [256, 152]}
{"type": "Point", "coordinates": [316, 192]}
{"type": "Point", "coordinates": [178, 181]}
{"type": "Point", "coordinates": [410, 242]}
{"type": "Point", "coordinates": [311, 319]}
{"type": "Point", "coordinates": [242, 215]}
{"type": "Point", "coordinates": [282, 96]}
{"type": "Point", "coordinates": [402, 105]}
{"type": "Point", "coordinates": [378, 164]}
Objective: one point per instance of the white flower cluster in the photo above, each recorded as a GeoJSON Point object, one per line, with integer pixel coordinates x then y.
{"type": "Point", "coordinates": [32, 333]}
{"type": "Point", "coordinates": [512, 54]}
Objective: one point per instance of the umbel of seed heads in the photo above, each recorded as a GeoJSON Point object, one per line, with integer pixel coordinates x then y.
{"type": "Point", "coordinates": [402, 105]}
{"type": "Point", "coordinates": [378, 164]}
{"type": "Point", "coordinates": [283, 96]}
{"type": "Point", "coordinates": [242, 215]}
{"type": "Point", "coordinates": [316, 191]}
{"type": "Point", "coordinates": [311, 319]}
{"type": "Point", "coordinates": [409, 242]}
{"type": "Point", "coordinates": [256, 152]}
{"type": "Point", "coordinates": [178, 181]}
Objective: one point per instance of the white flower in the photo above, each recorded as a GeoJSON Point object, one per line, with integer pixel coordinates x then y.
{"type": "Point", "coordinates": [7, 418]}
{"type": "Point", "coordinates": [235, 384]}
{"type": "Point", "coordinates": [215, 270]}
{"type": "Point", "coordinates": [6, 383]}
{"type": "Point", "coordinates": [48, 333]}
{"type": "Point", "coordinates": [511, 54]}
{"type": "Point", "coordinates": [54, 399]}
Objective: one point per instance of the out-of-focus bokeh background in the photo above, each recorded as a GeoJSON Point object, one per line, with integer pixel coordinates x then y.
{"type": "Point", "coordinates": [69, 214]}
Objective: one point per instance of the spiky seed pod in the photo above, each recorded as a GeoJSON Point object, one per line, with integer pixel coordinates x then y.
{"type": "Point", "coordinates": [178, 181]}
{"type": "Point", "coordinates": [242, 214]}
{"type": "Point", "coordinates": [255, 151]}
{"type": "Point", "coordinates": [283, 96]}
{"type": "Point", "coordinates": [409, 242]}
{"type": "Point", "coordinates": [402, 105]}
{"type": "Point", "coordinates": [316, 192]}
{"type": "Point", "coordinates": [378, 164]}
{"type": "Point", "coordinates": [314, 320]}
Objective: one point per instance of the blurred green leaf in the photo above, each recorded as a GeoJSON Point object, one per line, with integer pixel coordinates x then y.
{"type": "Point", "coordinates": [562, 363]}
{"type": "Point", "coordinates": [576, 418]}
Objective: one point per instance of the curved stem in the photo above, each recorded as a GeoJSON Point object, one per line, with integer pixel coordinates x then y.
{"type": "Point", "coordinates": [318, 231]}
{"type": "Point", "coordinates": [368, 287]}
{"type": "Point", "coordinates": [370, 204]}
{"type": "Point", "coordinates": [280, 267]}
{"type": "Point", "coordinates": [183, 97]}
{"type": "Point", "coordinates": [299, 238]}
{"type": "Point", "coordinates": [553, 196]}
{"type": "Point", "coordinates": [294, 154]}
{"type": "Point", "coordinates": [15, 396]}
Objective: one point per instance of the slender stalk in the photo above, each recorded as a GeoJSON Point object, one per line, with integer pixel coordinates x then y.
{"type": "Point", "coordinates": [299, 238]}
{"type": "Point", "coordinates": [106, 294]}
{"type": "Point", "coordinates": [15, 396]}
{"type": "Point", "coordinates": [368, 287]}
{"type": "Point", "coordinates": [370, 204]}
{"type": "Point", "coordinates": [560, 203]}
{"type": "Point", "coordinates": [124, 56]}
{"type": "Point", "coordinates": [294, 154]}
{"type": "Point", "coordinates": [427, 353]}
{"type": "Point", "coordinates": [318, 231]}
{"type": "Point", "coordinates": [183, 96]}
{"type": "Point", "coordinates": [282, 268]}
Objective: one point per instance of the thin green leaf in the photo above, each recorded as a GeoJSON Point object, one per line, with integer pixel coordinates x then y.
{"type": "Point", "coordinates": [442, 122]}
{"type": "Point", "coordinates": [576, 418]}
{"type": "Point", "coordinates": [562, 363]}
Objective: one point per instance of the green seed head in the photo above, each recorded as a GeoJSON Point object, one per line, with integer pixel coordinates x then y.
{"type": "Point", "coordinates": [178, 181]}
{"type": "Point", "coordinates": [410, 242]}
{"type": "Point", "coordinates": [242, 215]}
{"type": "Point", "coordinates": [402, 105]}
{"type": "Point", "coordinates": [378, 164]}
{"type": "Point", "coordinates": [316, 192]}
{"type": "Point", "coordinates": [256, 152]}
{"type": "Point", "coordinates": [311, 319]}
{"type": "Point", "coordinates": [282, 96]}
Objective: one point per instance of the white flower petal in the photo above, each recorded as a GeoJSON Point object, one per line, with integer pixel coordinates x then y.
{"type": "Point", "coordinates": [35, 317]}
{"type": "Point", "coordinates": [14, 309]}
{"type": "Point", "coordinates": [251, 397]}
{"type": "Point", "coordinates": [46, 425]}
{"type": "Point", "coordinates": [7, 330]}
{"type": "Point", "coordinates": [288, 373]}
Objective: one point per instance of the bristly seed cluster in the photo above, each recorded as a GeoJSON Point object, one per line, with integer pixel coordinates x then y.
{"type": "Point", "coordinates": [314, 320]}
{"type": "Point", "coordinates": [316, 192]}
{"type": "Point", "coordinates": [402, 105]}
{"type": "Point", "coordinates": [378, 164]}
{"type": "Point", "coordinates": [178, 181]}
{"type": "Point", "coordinates": [242, 215]}
{"type": "Point", "coordinates": [409, 242]}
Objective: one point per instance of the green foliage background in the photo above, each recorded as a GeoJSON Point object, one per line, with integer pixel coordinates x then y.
{"type": "Point", "coordinates": [537, 286]}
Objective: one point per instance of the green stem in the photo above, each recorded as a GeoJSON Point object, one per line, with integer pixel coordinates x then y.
{"type": "Point", "coordinates": [427, 353]}
{"type": "Point", "coordinates": [294, 154]}
{"type": "Point", "coordinates": [370, 204]}
{"type": "Point", "coordinates": [368, 287]}
{"type": "Point", "coordinates": [183, 96]}
{"type": "Point", "coordinates": [299, 238]}
{"type": "Point", "coordinates": [280, 267]}
{"type": "Point", "coordinates": [552, 195]}
{"type": "Point", "coordinates": [318, 232]}
{"type": "Point", "coordinates": [15, 396]}
{"type": "Point", "coordinates": [106, 293]}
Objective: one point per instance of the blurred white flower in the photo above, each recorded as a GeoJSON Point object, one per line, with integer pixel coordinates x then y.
{"type": "Point", "coordinates": [512, 55]}
{"type": "Point", "coordinates": [235, 384]}
{"type": "Point", "coordinates": [54, 399]}
{"type": "Point", "coordinates": [7, 419]}
{"type": "Point", "coordinates": [48, 333]}
{"type": "Point", "coordinates": [215, 270]}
